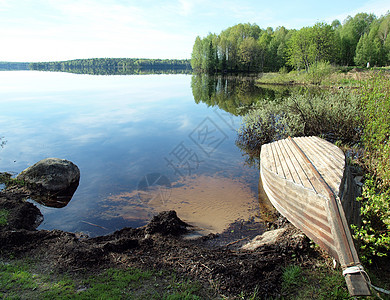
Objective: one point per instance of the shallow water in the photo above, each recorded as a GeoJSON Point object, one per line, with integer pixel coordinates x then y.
{"type": "Point", "coordinates": [142, 144]}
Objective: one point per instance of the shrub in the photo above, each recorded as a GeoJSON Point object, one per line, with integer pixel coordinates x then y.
{"type": "Point", "coordinates": [376, 137]}
{"type": "Point", "coordinates": [319, 71]}
{"type": "Point", "coordinates": [334, 116]}
{"type": "Point", "coordinates": [374, 234]}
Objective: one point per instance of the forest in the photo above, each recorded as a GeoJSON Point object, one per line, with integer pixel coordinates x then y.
{"type": "Point", "coordinates": [103, 66]}
{"type": "Point", "coordinates": [358, 41]}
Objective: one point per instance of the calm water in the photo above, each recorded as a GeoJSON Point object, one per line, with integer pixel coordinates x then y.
{"type": "Point", "coordinates": [142, 143]}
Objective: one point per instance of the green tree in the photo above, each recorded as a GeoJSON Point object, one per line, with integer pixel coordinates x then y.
{"type": "Point", "coordinates": [311, 45]}
{"type": "Point", "coordinates": [264, 43]}
{"type": "Point", "coordinates": [277, 49]}
{"type": "Point", "coordinates": [197, 54]}
{"type": "Point", "coordinates": [351, 32]}
{"type": "Point", "coordinates": [372, 46]}
{"type": "Point", "coordinates": [324, 42]}
{"type": "Point", "coordinates": [300, 48]}
{"type": "Point", "coordinates": [248, 53]}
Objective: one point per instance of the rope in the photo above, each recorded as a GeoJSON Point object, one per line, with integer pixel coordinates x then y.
{"type": "Point", "coordinates": [359, 269]}
{"type": "Point", "coordinates": [379, 289]}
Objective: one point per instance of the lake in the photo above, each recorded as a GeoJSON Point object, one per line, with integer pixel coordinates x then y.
{"type": "Point", "coordinates": [143, 144]}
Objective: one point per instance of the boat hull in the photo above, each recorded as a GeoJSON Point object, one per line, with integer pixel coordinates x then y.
{"type": "Point", "coordinates": [302, 178]}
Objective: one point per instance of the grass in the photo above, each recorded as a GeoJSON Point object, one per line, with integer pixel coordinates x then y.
{"type": "Point", "coordinates": [327, 76]}
{"type": "Point", "coordinates": [322, 282]}
{"type": "Point", "coordinates": [19, 280]}
{"type": "Point", "coordinates": [3, 217]}
{"type": "Point", "coordinates": [318, 283]}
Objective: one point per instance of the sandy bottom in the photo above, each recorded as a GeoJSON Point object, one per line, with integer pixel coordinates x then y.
{"type": "Point", "coordinates": [209, 203]}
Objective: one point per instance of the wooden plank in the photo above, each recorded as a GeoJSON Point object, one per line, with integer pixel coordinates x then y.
{"type": "Point", "coordinates": [357, 285]}
{"type": "Point", "coordinates": [308, 171]}
{"type": "Point", "coordinates": [298, 164]}
{"type": "Point", "coordinates": [332, 148]}
{"type": "Point", "coordinates": [290, 159]}
{"type": "Point", "coordinates": [278, 165]}
{"type": "Point", "coordinates": [331, 167]}
{"type": "Point", "coordinates": [301, 203]}
{"type": "Point", "coordinates": [285, 160]}
{"type": "Point", "coordinates": [324, 166]}
{"type": "Point", "coordinates": [279, 200]}
{"type": "Point", "coordinates": [267, 158]}
{"type": "Point", "coordinates": [280, 159]}
{"type": "Point", "coordinates": [323, 157]}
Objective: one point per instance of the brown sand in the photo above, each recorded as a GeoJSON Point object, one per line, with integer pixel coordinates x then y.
{"type": "Point", "coordinates": [208, 202]}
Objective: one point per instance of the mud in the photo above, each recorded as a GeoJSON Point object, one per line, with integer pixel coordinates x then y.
{"type": "Point", "coordinates": [161, 244]}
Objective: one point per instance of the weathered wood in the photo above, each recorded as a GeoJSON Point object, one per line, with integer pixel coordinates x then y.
{"type": "Point", "coordinates": [303, 179]}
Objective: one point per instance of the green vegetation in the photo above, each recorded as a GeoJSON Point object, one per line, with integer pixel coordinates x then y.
{"type": "Point", "coordinates": [292, 277]}
{"type": "Point", "coordinates": [374, 235]}
{"type": "Point", "coordinates": [318, 283]}
{"type": "Point", "coordinates": [23, 281]}
{"type": "Point", "coordinates": [361, 39]}
{"type": "Point", "coordinates": [4, 217]}
{"type": "Point", "coordinates": [331, 114]}
{"type": "Point", "coordinates": [376, 138]}
{"type": "Point", "coordinates": [115, 66]}
{"type": "Point", "coordinates": [358, 118]}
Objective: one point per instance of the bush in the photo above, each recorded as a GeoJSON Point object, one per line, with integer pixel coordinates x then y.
{"type": "Point", "coordinates": [334, 116]}
{"type": "Point", "coordinates": [374, 234]}
{"type": "Point", "coordinates": [376, 137]}
{"type": "Point", "coordinates": [319, 71]}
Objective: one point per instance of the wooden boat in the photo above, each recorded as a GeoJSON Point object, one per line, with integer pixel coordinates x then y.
{"type": "Point", "coordinates": [303, 178]}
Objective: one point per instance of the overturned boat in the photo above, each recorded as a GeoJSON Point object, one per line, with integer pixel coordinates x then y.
{"type": "Point", "coordinates": [304, 178]}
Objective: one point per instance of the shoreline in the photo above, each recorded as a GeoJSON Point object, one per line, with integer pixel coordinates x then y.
{"type": "Point", "coordinates": [164, 249]}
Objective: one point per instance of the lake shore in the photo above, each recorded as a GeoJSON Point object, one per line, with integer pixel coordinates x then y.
{"type": "Point", "coordinates": [201, 259]}
{"type": "Point", "coordinates": [216, 265]}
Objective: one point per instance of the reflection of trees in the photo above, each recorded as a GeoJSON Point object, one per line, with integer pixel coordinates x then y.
{"type": "Point", "coordinates": [228, 93]}
{"type": "Point", "coordinates": [116, 66]}
{"type": "Point", "coordinates": [231, 93]}
{"type": "Point", "coordinates": [236, 95]}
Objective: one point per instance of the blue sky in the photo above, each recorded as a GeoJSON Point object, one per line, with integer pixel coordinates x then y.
{"type": "Point", "coordinates": [46, 30]}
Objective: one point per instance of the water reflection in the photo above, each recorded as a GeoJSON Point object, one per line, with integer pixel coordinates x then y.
{"type": "Point", "coordinates": [59, 199]}
{"type": "Point", "coordinates": [233, 94]}
{"type": "Point", "coordinates": [122, 131]}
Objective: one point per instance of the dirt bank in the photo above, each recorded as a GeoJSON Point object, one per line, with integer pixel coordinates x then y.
{"type": "Point", "coordinates": [158, 245]}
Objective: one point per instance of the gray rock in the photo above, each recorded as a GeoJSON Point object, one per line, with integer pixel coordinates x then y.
{"type": "Point", "coordinates": [50, 175]}
{"type": "Point", "coordinates": [267, 238]}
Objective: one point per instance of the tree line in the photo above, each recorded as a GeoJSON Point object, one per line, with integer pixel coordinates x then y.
{"type": "Point", "coordinates": [103, 66]}
{"type": "Point", "coordinates": [9, 66]}
{"type": "Point", "coordinates": [359, 40]}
